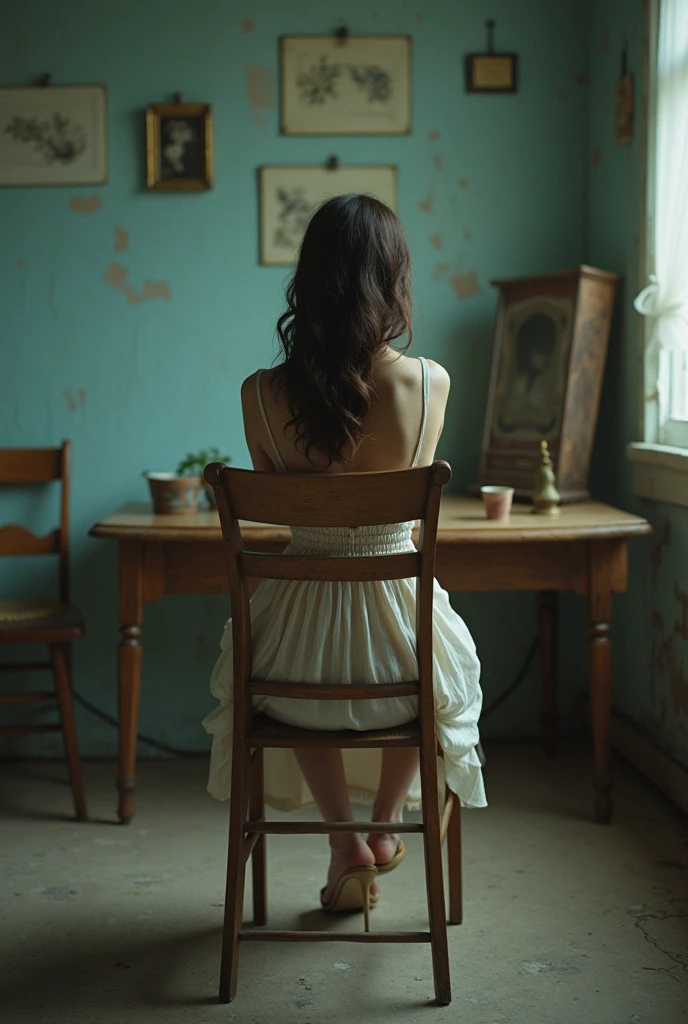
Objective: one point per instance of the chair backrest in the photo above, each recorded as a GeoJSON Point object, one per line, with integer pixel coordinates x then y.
{"type": "Point", "coordinates": [329, 500]}
{"type": "Point", "coordinates": [34, 466]}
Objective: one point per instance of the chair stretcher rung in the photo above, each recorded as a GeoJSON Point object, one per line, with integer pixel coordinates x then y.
{"type": "Point", "coordinates": [286, 936]}
{"type": "Point", "coordinates": [28, 698]}
{"type": "Point", "coordinates": [319, 691]}
{"type": "Point", "coordinates": [286, 828]}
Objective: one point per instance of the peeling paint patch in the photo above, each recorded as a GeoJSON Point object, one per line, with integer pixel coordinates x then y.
{"type": "Point", "coordinates": [581, 78]}
{"type": "Point", "coordinates": [419, 15]}
{"type": "Point", "coordinates": [261, 91]}
{"type": "Point", "coordinates": [464, 182]}
{"type": "Point", "coordinates": [116, 275]}
{"type": "Point", "coordinates": [467, 234]}
{"type": "Point", "coordinates": [433, 136]}
{"type": "Point", "coordinates": [121, 240]}
{"type": "Point", "coordinates": [426, 205]}
{"type": "Point", "coordinates": [437, 160]}
{"type": "Point", "coordinates": [465, 285]}
{"type": "Point", "coordinates": [72, 402]}
{"type": "Point", "coordinates": [247, 25]}
{"type": "Point", "coordinates": [562, 95]}
{"type": "Point", "coordinates": [605, 43]}
{"type": "Point", "coordinates": [436, 240]}
{"type": "Point", "coordinates": [440, 272]}
{"type": "Point", "coordinates": [85, 204]}
{"type": "Point", "coordinates": [597, 156]}
{"type": "Point", "coordinates": [21, 263]}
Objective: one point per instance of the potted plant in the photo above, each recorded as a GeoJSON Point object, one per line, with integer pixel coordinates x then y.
{"type": "Point", "coordinates": [195, 464]}
{"type": "Point", "coordinates": [178, 492]}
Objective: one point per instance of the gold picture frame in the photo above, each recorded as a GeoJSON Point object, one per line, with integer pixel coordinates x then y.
{"type": "Point", "coordinates": [179, 147]}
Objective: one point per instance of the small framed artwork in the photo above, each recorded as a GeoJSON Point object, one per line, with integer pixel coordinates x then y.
{"type": "Point", "coordinates": [346, 85]}
{"type": "Point", "coordinates": [491, 72]}
{"type": "Point", "coordinates": [179, 147]}
{"type": "Point", "coordinates": [53, 135]}
{"type": "Point", "coordinates": [289, 196]}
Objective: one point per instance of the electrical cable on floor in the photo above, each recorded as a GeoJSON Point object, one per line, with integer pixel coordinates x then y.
{"type": "Point", "coordinates": [158, 744]}
{"type": "Point", "coordinates": [176, 752]}
{"type": "Point", "coordinates": [520, 676]}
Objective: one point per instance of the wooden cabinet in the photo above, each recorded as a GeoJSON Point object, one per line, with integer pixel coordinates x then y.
{"type": "Point", "coordinates": [550, 349]}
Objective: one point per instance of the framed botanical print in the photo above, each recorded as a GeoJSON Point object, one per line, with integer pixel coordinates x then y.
{"type": "Point", "coordinates": [53, 135]}
{"type": "Point", "coordinates": [179, 147]}
{"type": "Point", "coordinates": [289, 195]}
{"type": "Point", "coordinates": [547, 366]}
{"type": "Point", "coordinates": [346, 85]}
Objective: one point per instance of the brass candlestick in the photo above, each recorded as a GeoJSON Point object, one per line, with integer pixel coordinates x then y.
{"type": "Point", "coordinates": [546, 496]}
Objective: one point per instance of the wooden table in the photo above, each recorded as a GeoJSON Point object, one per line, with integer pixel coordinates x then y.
{"type": "Point", "coordinates": [584, 549]}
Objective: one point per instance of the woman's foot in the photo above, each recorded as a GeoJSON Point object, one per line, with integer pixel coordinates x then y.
{"type": "Point", "coordinates": [384, 845]}
{"type": "Point", "coordinates": [347, 851]}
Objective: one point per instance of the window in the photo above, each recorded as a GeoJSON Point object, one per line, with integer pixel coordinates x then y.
{"type": "Point", "coordinates": [665, 300]}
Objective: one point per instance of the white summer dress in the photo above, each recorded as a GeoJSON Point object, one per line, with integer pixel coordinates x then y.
{"type": "Point", "coordinates": [350, 633]}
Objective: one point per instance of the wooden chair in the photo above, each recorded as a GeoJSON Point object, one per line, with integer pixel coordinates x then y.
{"type": "Point", "coordinates": [56, 624]}
{"type": "Point", "coordinates": [366, 499]}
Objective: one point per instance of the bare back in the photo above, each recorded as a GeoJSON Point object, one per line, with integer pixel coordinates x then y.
{"type": "Point", "coordinates": [392, 427]}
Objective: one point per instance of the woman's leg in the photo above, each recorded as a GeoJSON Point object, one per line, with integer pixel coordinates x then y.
{"type": "Point", "coordinates": [323, 770]}
{"type": "Point", "coordinates": [399, 766]}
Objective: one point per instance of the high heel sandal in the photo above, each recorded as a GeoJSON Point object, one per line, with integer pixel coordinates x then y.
{"type": "Point", "coordinates": [352, 892]}
{"type": "Point", "coordinates": [394, 862]}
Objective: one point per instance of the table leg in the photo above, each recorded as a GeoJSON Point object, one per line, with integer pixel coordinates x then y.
{"type": "Point", "coordinates": [129, 671]}
{"type": "Point", "coordinates": [548, 628]}
{"type": "Point", "coordinates": [600, 667]}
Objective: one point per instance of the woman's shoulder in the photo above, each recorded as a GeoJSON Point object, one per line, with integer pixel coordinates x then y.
{"type": "Point", "coordinates": [439, 378]}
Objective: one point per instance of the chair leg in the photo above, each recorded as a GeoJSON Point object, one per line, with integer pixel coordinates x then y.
{"type": "Point", "coordinates": [434, 878]}
{"type": "Point", "coordinates": [236, 874]}
{"type": "Point", "coordinates": [454, 864]}
{"type": "Point", "coordinates": [59, 660]}
{"type": "Point", "coordinates": [256, 812]}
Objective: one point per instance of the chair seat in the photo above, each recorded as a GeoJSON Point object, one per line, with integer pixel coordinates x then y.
{"type": "Point", "coordinates": [268, 732]}
{"type": "Point", "coordinates": [49, 623]}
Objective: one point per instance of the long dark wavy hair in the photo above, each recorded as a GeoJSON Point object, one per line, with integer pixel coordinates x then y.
{"type": "Point", "coordinates": [349, 296]}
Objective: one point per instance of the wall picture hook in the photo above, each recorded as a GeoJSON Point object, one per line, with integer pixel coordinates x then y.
{"type": "Point", "coordinates": [341, 34]}
{"type": "Point", "coordinates": [44, 81]}
{"type": "Point", "coordinates": [178, 99]}
{"type": "Point", "coordinates": [490, 26]}
{"type": "Point", "coordinates": [332, 164]}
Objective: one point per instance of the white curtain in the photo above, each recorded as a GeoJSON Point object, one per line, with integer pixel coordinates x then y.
{"type": "Point", "coordinates": [665, 299]}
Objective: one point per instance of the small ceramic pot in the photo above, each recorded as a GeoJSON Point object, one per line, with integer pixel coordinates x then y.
{"type": "Point", "coordinates": [497, 502]}
{"type": "Point", "coordinates": [174, 494]}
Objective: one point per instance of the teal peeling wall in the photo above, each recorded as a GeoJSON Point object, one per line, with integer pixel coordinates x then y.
{"type": "Point", "coordinates": [650, 626]}
{"type": "Point", "coordinates": [136, 385]}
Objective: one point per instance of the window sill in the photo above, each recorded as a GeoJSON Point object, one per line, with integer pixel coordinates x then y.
{"type": "Point", "coordinates": [661, 472]}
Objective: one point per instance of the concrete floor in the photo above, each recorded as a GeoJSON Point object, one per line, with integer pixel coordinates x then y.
{"type": "Point", "coordinates": [565, 921]}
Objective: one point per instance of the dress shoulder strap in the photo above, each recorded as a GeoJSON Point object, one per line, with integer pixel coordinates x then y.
{"type": "Point", "coordinates": [424, 417]}
{"type": "Point", "coordinates": [278, 457]}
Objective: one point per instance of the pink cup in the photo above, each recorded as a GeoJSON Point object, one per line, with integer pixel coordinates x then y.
{"type": "Point", "coordinates": [497, 501]}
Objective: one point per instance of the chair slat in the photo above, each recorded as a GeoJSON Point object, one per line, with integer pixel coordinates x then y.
{"type": "Point", "coordinates": [17, 540]}
{"type": "Point", "coordinates": [29, 465]}
{"type": "Point", "coordinates": [331, 568]}
{"type": "Point", "coordinates": [27, 698]}
{"type": "Point", "coordinates": [318, 828]}
{"type": "Point", "coordinates": [319, 691]}
{"type": "Point", "coordinates": [274, 935]}
{"type": "Point", "coordinates": [325, 499]}
{"type": "Point", "coordinates": [23, 730]}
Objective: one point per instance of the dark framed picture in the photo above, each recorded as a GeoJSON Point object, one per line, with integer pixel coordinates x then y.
{"type": "Point", "coordinates": [346, 85]}
{"type": "Point", "coordinates": [549, 354]}
{"type": "Point", "coordinates": [491, 72]}
{"type": "Point", "coordinates": [53, 135]}
{"type": "Point", "coordinates": [179, 147]}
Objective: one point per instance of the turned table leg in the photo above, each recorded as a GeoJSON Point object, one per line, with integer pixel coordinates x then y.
{"type": "Point", "coordinates": [548, 628]}
{"type": "Point", "coordinates": [129, 671]}
{"type": "Point", "coordinates": [600, 667]}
